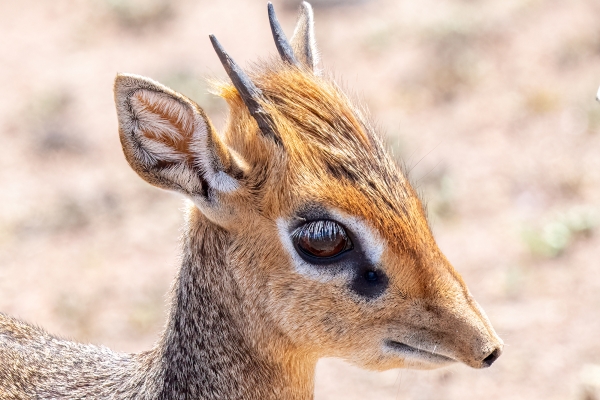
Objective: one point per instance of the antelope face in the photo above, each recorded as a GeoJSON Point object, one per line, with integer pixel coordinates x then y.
{"type": "Point", "coordinates": [330, 246]}
{"type": "Point", "coordinates": [338, 246]}
{"type": "Point", "coordinates": [358, 274]}
{"type": "Point", "coordinates": [376, 297]}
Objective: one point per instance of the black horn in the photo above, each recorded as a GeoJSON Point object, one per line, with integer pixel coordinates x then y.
{"type": "Point", "coordinates": [283, 46]}
{"type": "Point", "coordinates": [249, 93]}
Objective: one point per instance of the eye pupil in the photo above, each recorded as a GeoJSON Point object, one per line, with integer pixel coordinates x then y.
{"type": "Point", "coordinates": [324, 247]}
{"type": "Point", "coordinates": [371, 276]}
{"type": "Point", "coordinates": [322, 239]}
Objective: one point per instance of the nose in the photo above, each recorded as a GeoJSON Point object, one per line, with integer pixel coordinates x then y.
{"type": "Point", "coordinates": [490, 358]}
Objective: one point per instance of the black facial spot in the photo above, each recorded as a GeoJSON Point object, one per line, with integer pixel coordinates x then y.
{"type": "Point", "coordinates": [371, 276]}
{"type": "Point", "coordinates": [369, 283]}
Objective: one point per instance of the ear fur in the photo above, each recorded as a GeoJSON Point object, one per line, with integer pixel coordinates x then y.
{"type": "Point", "coordinates": [168, 140]}
{"type": "Point", "coordinates": [303, 40]}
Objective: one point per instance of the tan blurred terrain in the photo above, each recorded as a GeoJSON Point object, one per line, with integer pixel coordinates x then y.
{"type": "Point", "coordinates": [490, 104]}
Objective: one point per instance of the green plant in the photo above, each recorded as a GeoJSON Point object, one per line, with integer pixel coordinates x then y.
{"type": "Point", "coordinates": [554, 236]}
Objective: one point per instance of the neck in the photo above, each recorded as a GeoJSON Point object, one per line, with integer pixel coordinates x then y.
{"type": "Point", "coordinates": [211, 348]}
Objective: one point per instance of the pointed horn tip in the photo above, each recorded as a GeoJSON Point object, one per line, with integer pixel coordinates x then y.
{"type": "Point", "coordinates": [225, 59]}
{"type": "Point", "coordinates": [216, 44]}
{"type": "Point", "coordinates": [271, 10]}
{"type": "Point", "coordinates": [283, 46]}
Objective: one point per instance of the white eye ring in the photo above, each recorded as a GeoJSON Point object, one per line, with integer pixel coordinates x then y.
{"type": "Point", "coordinates": [366, 237]}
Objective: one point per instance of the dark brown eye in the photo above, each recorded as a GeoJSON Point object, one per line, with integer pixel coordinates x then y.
{"type": "Point", "coordinates": [322, 239]}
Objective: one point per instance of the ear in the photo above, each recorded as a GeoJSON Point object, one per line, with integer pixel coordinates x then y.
{"type": "Point", "coordinates": [168, 140]}
{"type": "Point", "coordinates": [303, 40]}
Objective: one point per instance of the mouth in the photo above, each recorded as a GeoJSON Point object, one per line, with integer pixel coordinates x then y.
{"type": "Point", "coordinates": [417, 353]}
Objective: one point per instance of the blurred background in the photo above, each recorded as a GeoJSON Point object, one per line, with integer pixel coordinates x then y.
{"type": "Point", "coordinates": [489, 103]}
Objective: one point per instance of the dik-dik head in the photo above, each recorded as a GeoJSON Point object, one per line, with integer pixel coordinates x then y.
{"type": "Point", "coordinates": [328, 241]}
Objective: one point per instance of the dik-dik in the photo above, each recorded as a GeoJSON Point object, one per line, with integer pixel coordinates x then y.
{"type": "Point", "coordinates": [303, 239]}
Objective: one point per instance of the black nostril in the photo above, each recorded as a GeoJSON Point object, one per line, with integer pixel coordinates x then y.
{"type": "Point", "coordinates": [493, 356]}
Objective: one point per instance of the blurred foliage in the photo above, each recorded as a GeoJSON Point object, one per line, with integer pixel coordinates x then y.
{"type": "Point", "coordinates": [454, 63]}
{"type": "Point", "coordinates": [593, 118]}
{"type": "Point", "coordinates": [70, 213]}
{"type": "Point", "coordinates": [74, 311]}
{"type": "Point", "coordinates": [514, 280]}
{"type": "Point", "coordinates": [194, 87]}
{"type": "Point", "coordinates": [590, 382]}
{"type": "Point", "coordinates": [147, 314]}
{"type": "Point", "coordinates": [554, 237]}
{"type": "Point", "coordinates": [380, 36]}
{"type": "Point", "coordinates": [293, 4]}
{"type": "Point", "coordinates": [439, 192]}
{"type": "Point", "coordinates": [541, 101]}
{"type": "Point", "coordinates": [395, 146]}
{"type": "Point", "coordinates": [5, 232]}
{"type": "Point", "coordinates": [577, 50]}
{"type": "Point", "coordinates": [51, 128]}
{"type": "Point", "coordinates": [139, 14]}
{"type": "Point", "coordinates": [451, 60]}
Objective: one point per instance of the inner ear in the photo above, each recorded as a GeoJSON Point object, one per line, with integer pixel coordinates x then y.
{"type": "Point", "coordinates": [169, 141]}
{"type": "Point", "coordinates": [166, 126]}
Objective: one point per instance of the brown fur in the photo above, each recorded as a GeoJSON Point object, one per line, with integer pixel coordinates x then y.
{"type": "Point", "coordinates": [246, 322]}
{"type": "Point", "coordinates": [323, 133]}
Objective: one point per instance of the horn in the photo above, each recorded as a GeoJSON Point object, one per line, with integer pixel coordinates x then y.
{"type": "Point", "coordinates": [249, 93]}
{"type": "Point", "coordinates": [283, 46]}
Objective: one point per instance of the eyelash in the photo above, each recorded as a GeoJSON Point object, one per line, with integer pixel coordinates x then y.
{"type": "Point", "coordinates": [316, 230]}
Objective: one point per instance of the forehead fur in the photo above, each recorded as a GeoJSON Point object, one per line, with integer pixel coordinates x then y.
{"type": "Point", "coordinates": [331, 152]}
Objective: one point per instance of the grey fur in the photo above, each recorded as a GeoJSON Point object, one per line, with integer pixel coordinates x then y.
{"type": "Point", "coordinates": [189, 361]}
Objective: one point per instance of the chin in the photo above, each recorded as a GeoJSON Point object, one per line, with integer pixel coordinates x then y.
{"type": "Point", "coordinates": [399, 355]}
{"type": "Point", "coordinates": [387, 361]}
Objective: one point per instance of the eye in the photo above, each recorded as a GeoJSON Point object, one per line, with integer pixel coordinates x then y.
{"type": "Point", "coordinates": [321, 239]}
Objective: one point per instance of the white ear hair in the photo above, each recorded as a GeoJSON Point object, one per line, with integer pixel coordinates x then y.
{"type": "Point", "coordinates": [168, 140]}
{"type": "Point", "coordinates": [303, 40]}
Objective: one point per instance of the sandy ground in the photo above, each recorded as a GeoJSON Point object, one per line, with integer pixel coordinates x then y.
{"type": "Point", "coordinates": [489, 103]}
